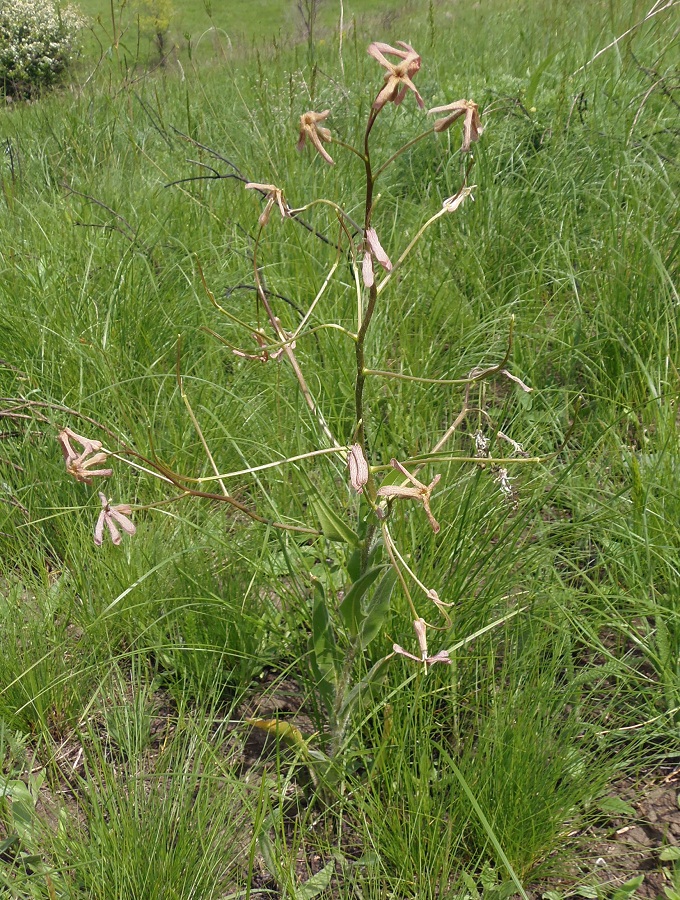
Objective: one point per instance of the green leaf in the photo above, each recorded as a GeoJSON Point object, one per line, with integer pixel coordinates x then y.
{"type": "Point", "coordinates": [616, 806]}
{"type": "Point", "coordinates": [8, 842]}
{"type": "Point", "coordinates": [324, 648]}
{"type": "Point", "coordinates": [323, 638]}
{"type": "Point", "coordinates": [535, 79]}
{"type": "Point", "coordinates": [670, 854]}
{"type": "Point", "coordinates": [587, 891]}
{"type": "Point", "coordinates": [471, 885]}
{"type": "Point", "coordinates": [378, 608]}
{"type": "Point", "coordinates": [350, 608]}
{"type": "Point", "coordinates": [628, 888]}
{"type": "Point", "coordinates": [354, 565]}
{"type": "Point", "coordinates": [317, 883]}
{"type": "Point", "coordinates": [267, 851]}
{"type": "Point", "coordinates": [332, 526]}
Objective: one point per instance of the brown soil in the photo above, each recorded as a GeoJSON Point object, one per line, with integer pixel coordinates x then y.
{"type": "Point", "coordinates": [610, 853]}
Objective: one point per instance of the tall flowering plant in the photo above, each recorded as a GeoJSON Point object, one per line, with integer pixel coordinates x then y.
{"type": "Point", "coordinates": [376, 570]}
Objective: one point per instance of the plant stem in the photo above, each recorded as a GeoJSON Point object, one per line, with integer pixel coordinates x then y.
{"type": "Point", "coordinates": [338, 728]}
{"type": "Point", "coordinates": [368, 315]}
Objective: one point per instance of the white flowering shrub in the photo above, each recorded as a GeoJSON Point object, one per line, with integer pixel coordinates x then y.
{"type": "Point", "coordinates": [37, 40]}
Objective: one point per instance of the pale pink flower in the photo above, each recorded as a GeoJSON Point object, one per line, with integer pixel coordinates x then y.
{"type": "Point", "coordinates": [358, 468]}
{"type": "Point", "coordinates": [472, 124]}
{"type": "Point", "coordinates": [420, 628]}
{"type": "Point", "coordinates": [310, 128]}
{"type": "Point", "coordinates": [374, 250]}
{"type": "Point", "coordinates": [418, 491]}
{"type": "Point", "coordinates": [398, 79]}
{"type": "Point", "coordinates": [272, 195]}
{"type": "Point", "coordinates": [79, 464]}
{"type": "Point", "coordinates": [109, 516]}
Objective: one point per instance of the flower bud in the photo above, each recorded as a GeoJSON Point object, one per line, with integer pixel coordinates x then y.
{"type": "Point", "coordinates": [358, 468]}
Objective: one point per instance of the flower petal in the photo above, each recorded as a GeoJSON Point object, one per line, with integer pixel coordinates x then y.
{"type": "Point", "coordinates": [400, 492]}
{"type": "Point", "coordinates": [459, 106]}
{"type": "Point", "coordinates": [420, 629]}
{"type": "Point", "coordinates": [400, 650]}
{"type": "Point", "coordinates": [409, 85]}
{"type": "Point", "coordinates": [387, 94]}
{"type": "Point", "coordinates": [367, 270]}
{"type": "Point", "coordinates": [376, 51]}
{"type": "Point", "coordinates": [66, 448]}
{"type": "Point", "coordinates": [451, 204]}
{"type": "Point", "coordinates": [115, 534]}
{"type": "Point", "coordinates": [266, 212]}
{"type": "Point", "coordinates": [119, 514]}
{"type": "Point", "coordinates": [377, 249]}
{"type": "Point", "coordinates": [99, 529]}
{"type": "Point", "coordinates": [88, 445]}
{"type": "Point", "coordinates": [441, 657]}
{"type": "Point", "coordinates": [314, 138]}
{"type": "Point", "coordinates": [442, 124]}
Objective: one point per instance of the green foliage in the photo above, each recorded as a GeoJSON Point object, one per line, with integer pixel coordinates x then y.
{"type": "Point", "coordinates": [37, 42]}
{"type": "Point", "coordinates": [155, 17]}
{"type": "Point", "coordinates": [212, 621]}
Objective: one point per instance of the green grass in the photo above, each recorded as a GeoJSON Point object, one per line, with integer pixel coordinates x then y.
{"type": "Point", "coordinates": [220, 30]}
{"type": "Point", "coordinates": [126, 673]}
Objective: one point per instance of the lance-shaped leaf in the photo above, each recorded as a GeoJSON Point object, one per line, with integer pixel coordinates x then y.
{"type": "Point", "coordinates": [350, 608]}
{"type": "Point", "coordinates": [332, 526]}
{"type": "Point", "coordinates": [324, 649]}
{"type": "Point", "coordinates": [377, 609]}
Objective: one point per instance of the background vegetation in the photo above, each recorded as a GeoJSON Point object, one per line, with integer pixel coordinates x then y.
{"type": "Point", "coordinates": [127, 673]}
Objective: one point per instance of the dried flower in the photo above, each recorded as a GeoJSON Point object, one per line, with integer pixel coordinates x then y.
{"type": "Point", "coordinates": [398, 78]}
{"type": "Point", "coordinates": [78, 464]}
{"type": "Point", "coordinates": [109, 516]}
{"type": "Point", "coordinates": [358, 468]}
{"type": "Point", "coordinates": [310, 128]}
{"type": "Point", "coordinates": [419, 492]}
{"type": "Point", "coordinates": [472, 124]}
{"type": "Point", "coordinates": [420, 628]}
{"type": "Point", "coordinates": [374, 250]}
{"type": "Point", "coordinates": [517, 381]}
{"type": "Point", "coordinates": [451, 204]}
{"type": "Point", "coordinates": [272, 195]}
{"type": "Point", "coordinates": [518, 448]}
{"type": "Point", "coordinates": [503, 480]}
{"type": "Point", "coordinates": [481, 445]}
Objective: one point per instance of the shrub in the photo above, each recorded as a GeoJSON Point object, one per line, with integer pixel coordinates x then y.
{"type": "Point", "coordinates": [37, 40]}
{"type": "Point", "coordinates": [154, 19]}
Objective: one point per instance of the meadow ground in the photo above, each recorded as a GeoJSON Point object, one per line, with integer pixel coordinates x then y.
{"type": "Point", "coordinates": [543, 760]}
